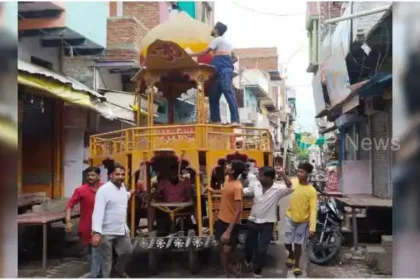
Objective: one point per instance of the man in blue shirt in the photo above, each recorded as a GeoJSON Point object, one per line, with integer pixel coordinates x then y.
{"type": "Point", "coordinates": [223, 60]}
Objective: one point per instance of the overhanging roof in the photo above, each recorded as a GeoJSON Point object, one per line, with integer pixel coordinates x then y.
{"type": "Point", "coordinates": [33, 69]}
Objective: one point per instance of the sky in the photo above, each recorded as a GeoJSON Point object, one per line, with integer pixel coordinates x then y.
{"type": "Point", "coordinates": [260, 23]}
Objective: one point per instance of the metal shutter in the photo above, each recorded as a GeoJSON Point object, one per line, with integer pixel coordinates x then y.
{"type": "Point", "coordinates": [380, 154]}
{"type": "Point", "coordinates": [390, 150]}
{"type": "Point", "coordinates": [36, 121]}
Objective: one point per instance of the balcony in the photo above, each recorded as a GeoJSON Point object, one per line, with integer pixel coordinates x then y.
{"type": "Point", "coordinates": [255, 80]}
{"type": "Point", "coordinates": [70, 23]}
{"type": "Point", "coordinates": [247, 115]}
{"type": "Point", "coordinates": [312, 26]}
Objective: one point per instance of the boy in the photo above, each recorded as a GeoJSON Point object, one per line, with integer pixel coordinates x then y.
{"type": "Point", "coordinates": [226, 226]}
{"type": "Point", "coordinates": [300, 215]}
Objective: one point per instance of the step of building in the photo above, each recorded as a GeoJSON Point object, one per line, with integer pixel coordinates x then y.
{"type": "Point", "coordinates": [386, 240]}
{"type": "Point", "coordinates": [378, 259]}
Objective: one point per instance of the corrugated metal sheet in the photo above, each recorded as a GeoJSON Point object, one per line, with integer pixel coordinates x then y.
{"type": "Point", "coordinates": [30, 68]}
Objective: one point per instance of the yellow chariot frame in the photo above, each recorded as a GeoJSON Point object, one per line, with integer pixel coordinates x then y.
{"type": "Point", "coordinates": [170, 70]}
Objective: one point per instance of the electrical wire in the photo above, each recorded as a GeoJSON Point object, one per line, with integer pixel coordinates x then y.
{"type": "Point", "coordinates": [266, 13]}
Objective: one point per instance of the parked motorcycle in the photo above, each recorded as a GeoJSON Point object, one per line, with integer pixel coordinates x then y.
{"type": "Point", "coordinates": [326, 244]}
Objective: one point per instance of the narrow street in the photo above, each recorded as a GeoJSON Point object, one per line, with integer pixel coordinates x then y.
{"type": "Point", "coordinates": [156, 100]}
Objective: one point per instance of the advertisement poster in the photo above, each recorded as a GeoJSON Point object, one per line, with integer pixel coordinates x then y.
{"type": "Point", "coordinates": [332, 179]}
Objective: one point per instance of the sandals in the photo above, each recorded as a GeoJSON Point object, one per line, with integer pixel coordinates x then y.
{"type": "Point", "coordinates": [297, 271]}
{"type": "Point", "coordinates": [290, 262]}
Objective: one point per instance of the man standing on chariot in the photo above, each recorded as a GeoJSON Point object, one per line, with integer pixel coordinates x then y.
{"type": "Point", "coordinates": [223, 60]}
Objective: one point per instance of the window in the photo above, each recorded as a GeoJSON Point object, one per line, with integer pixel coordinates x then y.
{"type": "Point", "coordinates": [40, 62]}
{"type": "Point", "coordinates": [206, 10]}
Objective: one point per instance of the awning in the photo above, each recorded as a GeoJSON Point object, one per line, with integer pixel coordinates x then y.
{"type": "Point", "coordinates": [8, 134]}
{"type": "Point", "coordinates": [122, 103]}
{"type": "Point", "coordinates": [329, 129]}
{"type": "Point", "coordinates": [354, 89]}
{"type": "Point", "coordinates": [62, 87]}
{"type": "Point", "coordinates": [376, 85]}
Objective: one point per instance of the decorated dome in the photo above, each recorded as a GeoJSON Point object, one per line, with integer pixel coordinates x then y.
{"type": "Point", "coordinates": [190, 34]}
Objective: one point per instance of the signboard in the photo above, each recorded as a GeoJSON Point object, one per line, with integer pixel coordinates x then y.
{"type": "Point", "coordinates": [170, 135]}
{"type": "Point", "coordinates": [332, 183]}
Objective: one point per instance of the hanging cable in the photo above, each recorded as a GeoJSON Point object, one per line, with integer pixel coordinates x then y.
{"type": "Point", "coordinates": [266, 13]}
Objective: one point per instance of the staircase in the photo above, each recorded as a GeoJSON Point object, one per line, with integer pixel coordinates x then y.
{"type": "Point", "coordinates": [379, 257]}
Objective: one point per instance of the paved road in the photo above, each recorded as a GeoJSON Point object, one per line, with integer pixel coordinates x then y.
{"type": "Point", "coordinates": [175, 265]}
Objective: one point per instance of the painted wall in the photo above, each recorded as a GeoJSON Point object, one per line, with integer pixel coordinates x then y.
{"type": "Point", "coordinates": [163, 11]}
{"type": "Point", "coordinates": [73, 159]}
{"type": "Point", "coordinates": [250, 100]}
{"type": "Point", "coordinates": [88, 19]}
{"type": "Point", "coordinates": [188, 7]}
{"type": "Point", "coordinates": [31, 46]}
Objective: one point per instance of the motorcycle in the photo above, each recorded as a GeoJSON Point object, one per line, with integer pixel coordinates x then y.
{"type": "Point", "coordinates": [325, 245]}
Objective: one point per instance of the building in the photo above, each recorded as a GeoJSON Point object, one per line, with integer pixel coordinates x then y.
{"type": "Point", "coordinates": [55, 110]}
{"type": "Point", "coordinates": [128, 24]}
{"type": "Point", "coordinates": [352, 85]}
{"type": "Point", "coordinates": [265, 101]}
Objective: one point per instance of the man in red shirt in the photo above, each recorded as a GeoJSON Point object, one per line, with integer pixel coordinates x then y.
{"type": "Point", "coordinates": [85, 196]}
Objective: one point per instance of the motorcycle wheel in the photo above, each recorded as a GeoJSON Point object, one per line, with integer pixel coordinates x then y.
{"type": "Point", "coordinates": [321, 254]}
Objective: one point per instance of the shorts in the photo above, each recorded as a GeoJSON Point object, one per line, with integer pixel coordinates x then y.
{"type": "Point", "coordinates": [295, 233]}
{"type": "Point", "coordinates": [220, 227]}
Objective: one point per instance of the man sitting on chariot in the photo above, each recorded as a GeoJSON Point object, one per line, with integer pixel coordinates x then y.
{"type": "Point", "coordinates": [173, 188]}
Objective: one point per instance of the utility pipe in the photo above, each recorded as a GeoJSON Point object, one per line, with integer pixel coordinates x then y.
{"type": "Point", "coordinates": [360, 14]}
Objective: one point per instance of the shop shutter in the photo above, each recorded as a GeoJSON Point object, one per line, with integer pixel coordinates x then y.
{"type": "Point", "coordinates": [35, 121]}
{"type": "Point", "coordinates": [37, 143]}
{"type": "Point", "coordinates": [380, 154]}
{"type": "Point", "coordinates": [391, 147]}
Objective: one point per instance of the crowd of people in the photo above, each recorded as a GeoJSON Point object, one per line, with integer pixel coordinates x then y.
{"type": "Point", "coordinates": [103, 215]}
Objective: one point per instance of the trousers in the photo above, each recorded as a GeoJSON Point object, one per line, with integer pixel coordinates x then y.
{"type": "Point", "coordinates": [122, 246]}
{"type": "Point", "coordinates": [258, 239]}
{"type": "Point", "coordinates": [223, 85]}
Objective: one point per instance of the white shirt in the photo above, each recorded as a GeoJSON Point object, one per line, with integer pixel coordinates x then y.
{"type": "Point", "coordinates": [220, 44]}
{"type": "Point", "coordinates": [110, 211]}
{"type": "Point", "coordinates": [264, 206]}
{"type": "Point", "coordinates": [250, 180]}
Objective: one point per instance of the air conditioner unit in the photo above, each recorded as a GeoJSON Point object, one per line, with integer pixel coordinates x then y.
{"type": "Point", "coordinates": [374, 105]}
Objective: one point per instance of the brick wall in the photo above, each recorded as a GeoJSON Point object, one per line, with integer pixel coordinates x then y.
{"type": "Point", "coordinates": [263, 63]}
{"type": "Point", "coordinates": [329, 10]}
{"type": "Point", "coordinates": [257, 58]}
{"type": "Point", "coordinates": [146, 12]}
{"type": "Point", "coordinates": [124, 35]}
{"type": "Point", "coordinates": [80, 68]}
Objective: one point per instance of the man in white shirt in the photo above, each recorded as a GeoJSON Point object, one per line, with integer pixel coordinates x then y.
{"type": "Point", "coordinates": [247, 178]}
{"type": "Point", "coordinates": [109, 223]}
{"type": "Point", "coordinates": [267, 195]}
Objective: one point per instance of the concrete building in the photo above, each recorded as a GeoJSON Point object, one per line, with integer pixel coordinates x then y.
{"type": "Point", "coordinates": [265, 99]}
{"type": "Point", "coordinates": [55, 111]}
{"type": "Point", "coordinates": [352, 88]}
